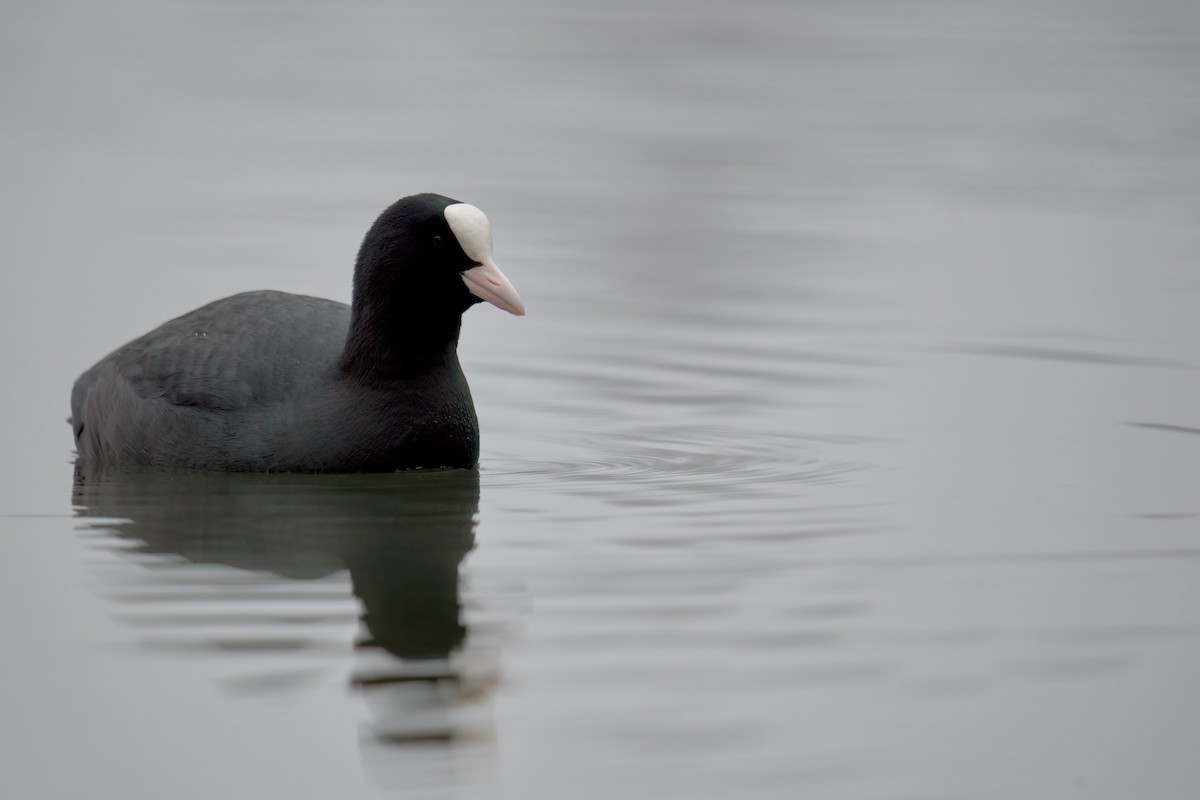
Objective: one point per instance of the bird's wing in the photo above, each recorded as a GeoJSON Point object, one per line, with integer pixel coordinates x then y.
{"type": "Point", "coordinates": [257, 346]}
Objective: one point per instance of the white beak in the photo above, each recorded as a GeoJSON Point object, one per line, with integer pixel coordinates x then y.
{"type": "Point", "coordinates": [487, 282]}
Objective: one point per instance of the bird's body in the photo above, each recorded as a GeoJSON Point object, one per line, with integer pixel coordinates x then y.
{"type": "Point", "coordinates": [268, 381]}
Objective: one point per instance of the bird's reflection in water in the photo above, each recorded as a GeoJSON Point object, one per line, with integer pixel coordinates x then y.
{"type": "Point", "coordinates": [402, 538]}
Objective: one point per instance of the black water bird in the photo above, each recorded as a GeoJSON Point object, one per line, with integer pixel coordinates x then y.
{"type": "Point", "coordinates": [273, 382]}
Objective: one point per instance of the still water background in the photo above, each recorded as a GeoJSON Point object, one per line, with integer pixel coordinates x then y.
{"type": "Point", "coordinates": [850, 448]}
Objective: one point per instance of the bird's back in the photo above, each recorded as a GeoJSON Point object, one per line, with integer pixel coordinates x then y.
{"type": "Point", "coordinates": [213, 379]}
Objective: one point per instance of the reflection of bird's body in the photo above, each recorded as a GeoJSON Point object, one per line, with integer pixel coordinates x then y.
{"type": "Point", "coordinates": [267, 381]}
{"type": "Point", "coordinates": [402, 537]}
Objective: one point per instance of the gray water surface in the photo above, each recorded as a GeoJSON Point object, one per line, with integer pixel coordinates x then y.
{"type": "Point", "coordinates": [849, 448]}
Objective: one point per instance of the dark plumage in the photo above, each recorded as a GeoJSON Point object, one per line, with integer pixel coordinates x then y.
{"type": "Point", "coordinates": [267, 381]}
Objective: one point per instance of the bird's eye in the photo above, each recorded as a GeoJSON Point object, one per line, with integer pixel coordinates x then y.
{"type": "Point", "coordinates": [438, 241]}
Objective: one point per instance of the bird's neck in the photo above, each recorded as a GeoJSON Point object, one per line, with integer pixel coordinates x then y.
{"type": "Point", "coordinates": [386, 343]}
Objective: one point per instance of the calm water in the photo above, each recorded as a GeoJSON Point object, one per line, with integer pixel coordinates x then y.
{"type": "Point", "coordinates": [850, 449]}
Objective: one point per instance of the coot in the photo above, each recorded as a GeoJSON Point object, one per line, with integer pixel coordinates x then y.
{"type": "Point", "coordinates": [274, 382]}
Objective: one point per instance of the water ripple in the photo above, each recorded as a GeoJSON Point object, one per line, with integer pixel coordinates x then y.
{"type": "Point", "coordinates": [668, 461]}
{"type": "Point", "coordinates": [1042, 353]}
